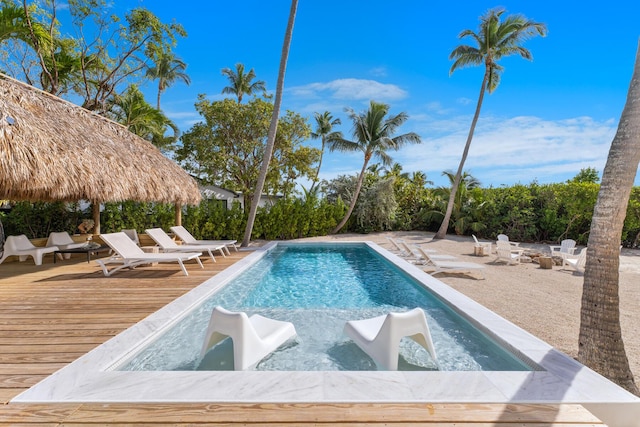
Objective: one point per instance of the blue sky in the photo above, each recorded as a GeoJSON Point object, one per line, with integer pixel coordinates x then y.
{"type": "Point", "coordinates": [548, 118]}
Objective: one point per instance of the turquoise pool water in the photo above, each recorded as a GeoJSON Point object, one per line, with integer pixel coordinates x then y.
{"type": "Point", "coordinates": [318, 287]}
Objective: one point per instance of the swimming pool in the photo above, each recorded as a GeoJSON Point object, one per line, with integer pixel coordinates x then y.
{"type": "Point", "coordinates": [94, 377]}
{"type": "Point", "coordinates": [319, 287]}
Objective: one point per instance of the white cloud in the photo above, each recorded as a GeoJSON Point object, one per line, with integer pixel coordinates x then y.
{"type": "Point", "coordinates": [506, 151]}
{"type": "Point", "coordinates": [349, 90]}
{"type": "Point", "coordinates": [378, 72]}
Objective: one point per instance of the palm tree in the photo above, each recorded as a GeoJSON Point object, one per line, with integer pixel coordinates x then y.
{"type": "Point", "coordinates": [134, 112]}
{"type": "Point", "coordinates": [273, 127]}
{"type": "Point", "coordinates": [374, 137]}
{"type": "Point", "coordinates": [495, 39]}
{"type": "Point", "coordinates": [241, 83]}
{"type": "Point", "coordinates": [167, 69]}
{"type": "Point", "coordinates": [460, 215]}
{"type": "Point", "coordinates": [324, 130]}
{"type": "Point", "coordinates": [600, 341]}
{"type": "Point", "coordinates": [16, 24]}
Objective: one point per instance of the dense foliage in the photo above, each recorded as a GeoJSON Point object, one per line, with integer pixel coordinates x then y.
{"type": "Point", "coordinates": [534, 212]}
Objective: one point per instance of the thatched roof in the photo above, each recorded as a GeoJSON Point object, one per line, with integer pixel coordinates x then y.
{"type": "Point", "coordinates": [51, 149]}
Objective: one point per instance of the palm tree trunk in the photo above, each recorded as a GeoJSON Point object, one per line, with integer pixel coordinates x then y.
{"type": "Point", "coordinates": [442, 231]}
{"type": "Point", "coordinates": [600, 341]}
{"type": "Point", "coordinates": [159, 94]}
{"type": "Point", "coordinates": [354, 199]}
{"type": "Point", "coordinates": [273, 127]}
{"type": "Point", "coordinates": [315, 181]}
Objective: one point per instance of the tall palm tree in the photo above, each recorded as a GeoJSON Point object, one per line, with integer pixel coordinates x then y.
{"type": "Point", "coordinates": [241, 83]}
{"type": "Point", "coordinates": [324, 130]}
{"type": "Point", "coordinates": [600, 341]}
{"type": "Point", "coordinates": [273, 127]}
{"type": "Point", "coordinates": [373, 135]}
{"type": "Point", "coordinates": [495, 40]}
{"type": "Point", "coordinates": [167, 69]}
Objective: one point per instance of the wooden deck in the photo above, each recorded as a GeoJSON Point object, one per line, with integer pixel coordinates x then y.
{"type": "Point", "coordinates": [52, 314]}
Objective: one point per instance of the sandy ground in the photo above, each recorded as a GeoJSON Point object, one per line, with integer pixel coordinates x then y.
{"type": "Point", "coordinates": [546, 303]}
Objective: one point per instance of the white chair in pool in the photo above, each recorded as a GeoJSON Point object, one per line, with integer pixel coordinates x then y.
{"type": "Point", "coordinates": [184, 235]}
{"type": "Point", "coordinates": [167, 244]}
{"type": "Point", "coordinates": [63, 241]}
{"type": "Point", "coordinates": [253, 337]}
{"type": "Point", "coordinates": [129, 255]}
{"type": "Point", "coordinates": [22, 247]}
{"type": "Point", "coordinates": [380, 336]}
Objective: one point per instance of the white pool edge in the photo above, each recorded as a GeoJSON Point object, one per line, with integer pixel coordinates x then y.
{"type": "Point", "coordinates": [91, 378]}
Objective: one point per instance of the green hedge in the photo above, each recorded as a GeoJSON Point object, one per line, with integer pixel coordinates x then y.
{"type": "Point", "coordinates": [534, 212]}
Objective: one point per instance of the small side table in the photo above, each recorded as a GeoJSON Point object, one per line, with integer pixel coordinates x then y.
{"type": "Point", "coordinates": [151, 250]}
{"type": "Point", "coordinates": [545, 262]}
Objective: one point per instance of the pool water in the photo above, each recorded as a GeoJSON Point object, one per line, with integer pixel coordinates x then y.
{"type": "Point", "coordinates": [319, 287]}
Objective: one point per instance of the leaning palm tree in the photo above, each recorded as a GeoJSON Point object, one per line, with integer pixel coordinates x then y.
{"type": "Point", "coordinates": [241, 83]}
{"type": "Point", "coordinates": [600, 341]}
{"type": "Point", "coordinates": [273, 127]}
{"type": "Point", "coordinates": [324, 130]}
{"type": "Point", "coordinates": [373, 135]}
{"type": "Point", "coordinates": [495, 40]}
{"type": "Point", "coordinates": [167, 69]}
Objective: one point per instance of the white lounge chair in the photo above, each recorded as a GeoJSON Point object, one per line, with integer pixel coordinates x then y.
{"type": "Point", "coordinates": [167, 244]}
{"type": "Point", "coordinates": [133, 235]}
{"type": "Point", "coordinates": [398, 248]}
{"type": "Point", "coordinates": [380, 336]}
{"type": "Point", "coordinates": [22, 247]}
{"type": "Point", "coordinates": [129, 255]}
{"type": "Point", "coordinates": [440, 266]}
{"type": "Point", "coordinates": [184, 235]}
{"type": "Point", "coordinates": [567, 246]}
{"type": "Point", "coordinates": [63, 241]}
{"type": "Point", "coordinates": [577, 262]}
{"type": "Point", "coordinates": [507, 253]}
{"type": "Point", "coordinates": [253, 337]}
{"type": "Point", "coordinates": [505, 238]}
{"type": "Point", "coordinates": [421, 255]}
{"type": "Point", "coordinates": [486, 246]}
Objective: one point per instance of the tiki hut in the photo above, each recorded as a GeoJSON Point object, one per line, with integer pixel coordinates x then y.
{"type": "Point", "coordinates": [51, 150]}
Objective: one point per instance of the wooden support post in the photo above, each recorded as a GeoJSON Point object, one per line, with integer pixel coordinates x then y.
{"type": "Point", "coordinates": [95, 210]}
{"type": "Point", "coordinates": [178, 207]}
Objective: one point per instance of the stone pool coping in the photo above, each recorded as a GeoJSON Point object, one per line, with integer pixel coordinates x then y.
{"type": "Point", "coordinates": [92, 377]}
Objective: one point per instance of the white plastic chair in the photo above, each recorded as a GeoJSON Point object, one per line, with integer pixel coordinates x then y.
{"type": "Point", "coordinates": [253, 337]}
{"type": "Point", "coordinates": [505, 238]}
{"type": "Point", "coordinates": [184, 235]}
{"type": "Point", "coordinates": [577, 262]}
{"type": "Point", "coordinates": [380, 336]}
{"type": "Point", "coordinates": [507, 253]}
{"type": "Point", "coordinates": [484, 245]}
{"type": "Point", "coordinates": [22, 247]}
{"type": "Point", "coordinates": [567, 246]}
{"type": "Point", "coordinates": [63, 241]}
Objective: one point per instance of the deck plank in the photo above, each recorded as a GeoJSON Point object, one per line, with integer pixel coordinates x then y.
{"type": "Point", "coordinates": [52, 314]}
